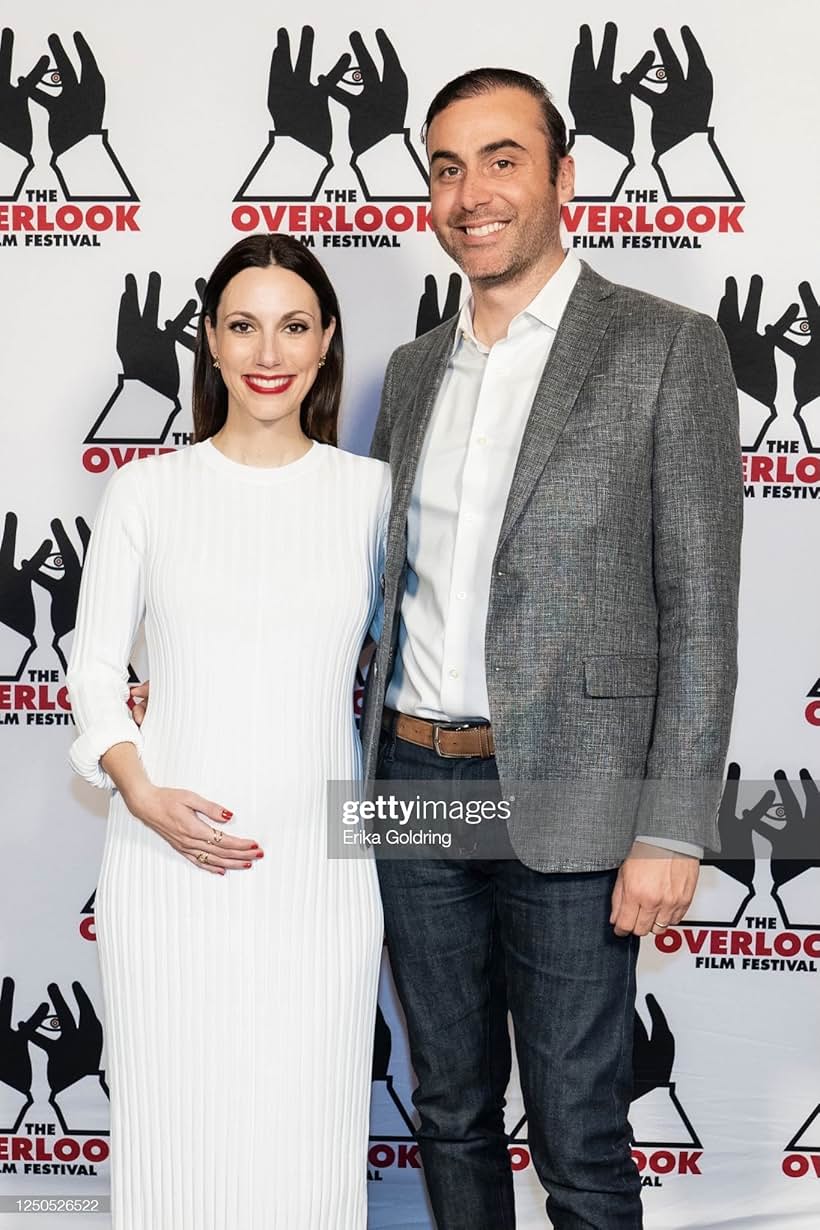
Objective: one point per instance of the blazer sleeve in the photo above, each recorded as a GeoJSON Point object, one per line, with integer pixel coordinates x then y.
{"type": "Point", "coordinates": [109, 611]}
{"type": "Point", "coordinates": [697, 498]}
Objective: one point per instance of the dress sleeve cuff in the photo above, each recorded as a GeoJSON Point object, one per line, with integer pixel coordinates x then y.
{"type": "Point", "coordinates": [85, 752]}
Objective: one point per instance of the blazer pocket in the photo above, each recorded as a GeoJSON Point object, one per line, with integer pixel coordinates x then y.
{"type": "Point", "coordinates": [633, 674]}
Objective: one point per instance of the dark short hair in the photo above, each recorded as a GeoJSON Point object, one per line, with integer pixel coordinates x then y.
{"type": "Point", "coordinates": [320, 410]}
{"type": "Point", "coordinates": [484, 81]}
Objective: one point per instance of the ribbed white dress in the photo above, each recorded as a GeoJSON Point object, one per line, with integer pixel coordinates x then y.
{"type": "Point", "coordinates": [239, 1008]}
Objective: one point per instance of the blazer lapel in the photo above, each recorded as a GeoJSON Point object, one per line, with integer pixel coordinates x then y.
{"type": "Point", "coordinates": [579, 335]}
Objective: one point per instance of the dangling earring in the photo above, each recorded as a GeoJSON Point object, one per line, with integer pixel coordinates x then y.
{"type": "Point", "coordinates": [323, 360]}
{"type": "Point", "coordinates": [216, 364]}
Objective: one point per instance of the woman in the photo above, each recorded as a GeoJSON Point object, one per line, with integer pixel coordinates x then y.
{"type": "Point", "coordinates": [240, 989]}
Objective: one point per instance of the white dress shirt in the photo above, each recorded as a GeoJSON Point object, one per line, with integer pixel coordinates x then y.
{"type": "Point", "coordinates": [457, 507]}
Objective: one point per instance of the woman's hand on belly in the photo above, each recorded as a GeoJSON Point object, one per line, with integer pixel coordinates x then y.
{"type": "Point", "coordinates": [176, 815]}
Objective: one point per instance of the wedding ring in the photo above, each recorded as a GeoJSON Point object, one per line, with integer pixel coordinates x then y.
{"type": "Point", "coordinates": [202, 857]}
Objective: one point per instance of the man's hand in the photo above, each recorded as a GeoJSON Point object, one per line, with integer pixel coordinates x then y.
{"type": "Point", "coordinates": [77, 111]}
{"type": "Point", "coordinates": [602, 107]}
{"type": "Point", "coordinates": [653, 890]}
{"type": "Point", "coordinates": [138, 701]}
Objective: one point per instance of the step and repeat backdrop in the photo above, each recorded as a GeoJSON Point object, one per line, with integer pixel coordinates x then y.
{"type": "Point", "coordinates": [135, 146]}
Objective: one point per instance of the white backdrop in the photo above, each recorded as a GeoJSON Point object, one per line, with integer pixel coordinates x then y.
{"type": "Point", "coordinates": [120, 185]}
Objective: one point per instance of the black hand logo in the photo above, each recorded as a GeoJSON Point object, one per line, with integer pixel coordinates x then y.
{"type": "Point", "coordinates": [683, 107]}
{"type": "Point", "coordinates": [15, 1061]}
{"type": "Point", "coordinates": [652, 1057]}
{"type": "Point", "coordinates": [382, 1045]}
{"type": "Point", "coordinates": [806, 358]}
{"type": "Point", "coordinates": [752, 352]}
{"type": "Point", "coordinates": [380, 110]}
{"type": "Point", "coordinates": [602, 107]}
{"type": "Point", "coordinates": [429, 315]}
{"type": "Point", "coordinates": [15, 120]}
{"type": "Point", "coordinates": [184, 320]}
{"type": "Point", "coordinates": [17, 610]}
{"type": "Point", "coordinates": [298, 108]}
{"type": "Point", "coordinates": [148, 352]}
{"type": "Point", "coordinates": [77, 111]}
{"type": "Point", "coordinates": [76, 1052]}
{"type": "Point", "coordinates": [796, 845]}
{"type": "Point", "coordinates": [737, 858]}
{"type": "Point", "coordinates": [62, 580]}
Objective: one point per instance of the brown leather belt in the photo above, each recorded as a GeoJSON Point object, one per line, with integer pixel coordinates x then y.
{"type": "Point", "coordinates": [446, 739]}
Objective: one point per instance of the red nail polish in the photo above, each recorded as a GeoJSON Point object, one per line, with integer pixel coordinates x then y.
{"type": "Point", "coordinates": [249, 864]}
{"type": "Point", "coordinates": [254, 845]}
{"type": "Point", "coordinates": [261, 854]}
{"type": "Point", "coordinates": [226, 815]}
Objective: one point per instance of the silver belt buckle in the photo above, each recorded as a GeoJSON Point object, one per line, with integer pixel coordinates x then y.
{"type": "Point", "coordinates": [437, 746]}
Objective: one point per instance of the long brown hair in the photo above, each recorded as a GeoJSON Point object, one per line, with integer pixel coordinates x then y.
{"type": "Point", "coordinates": [320, 410]}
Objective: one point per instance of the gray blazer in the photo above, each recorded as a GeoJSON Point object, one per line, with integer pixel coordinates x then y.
{"type": "Point", "coordinates": [611, 639]}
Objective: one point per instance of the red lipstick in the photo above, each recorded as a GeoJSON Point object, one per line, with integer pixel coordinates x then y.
{"type": "Point", "coordinates": [268, 384]}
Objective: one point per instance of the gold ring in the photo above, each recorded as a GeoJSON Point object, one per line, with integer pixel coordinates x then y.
{"type": "Point", "coordinates": [202, 857]}
{"type": "Point", "coordinates": [660, 926]}
{"type": "Point", "coordinates": [215, 838]}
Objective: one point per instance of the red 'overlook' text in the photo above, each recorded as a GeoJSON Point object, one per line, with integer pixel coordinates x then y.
{"type": "Point", "coordinates": [69, 218]}
{"type": "Point", "coordinates": [611, 219]}
{"type": "Point", "coordinates": [302, 219]}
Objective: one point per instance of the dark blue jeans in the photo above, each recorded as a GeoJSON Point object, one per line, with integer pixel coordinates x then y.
{"type": "Point", "coordinates": [471, 940]}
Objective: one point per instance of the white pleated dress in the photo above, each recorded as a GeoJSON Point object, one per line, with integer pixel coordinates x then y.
{"type": "Point", "coordinates": [239, 1008]}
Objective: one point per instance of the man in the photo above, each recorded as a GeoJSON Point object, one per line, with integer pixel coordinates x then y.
{"type": "Point", "coordinates": [560, 595]}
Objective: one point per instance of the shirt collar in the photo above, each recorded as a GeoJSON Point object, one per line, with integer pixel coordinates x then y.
{"type": "Point", "coordinates": [547, 307]}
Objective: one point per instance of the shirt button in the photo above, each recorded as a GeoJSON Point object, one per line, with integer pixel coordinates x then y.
{"type": "Point", "coordinates": [461, 594]}
{"type": "Point", "coordinates": [453, 673]}
{"type": "Point", "coordinates": [481, 440]}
